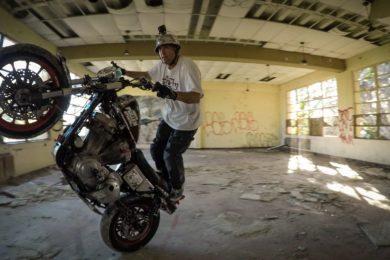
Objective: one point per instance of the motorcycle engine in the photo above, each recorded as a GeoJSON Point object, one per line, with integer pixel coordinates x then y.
{"type": "Point", "coordinates": [102, 146]}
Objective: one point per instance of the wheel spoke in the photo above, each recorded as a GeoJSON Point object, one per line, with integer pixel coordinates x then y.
{"type": "Point", "coordinates": [137, 222]}
{"type": "Point", "coordinates": [13, 66]}
{"type": "Point", "coordinates": [1, 75]}
{"type": "Point", "coordinates": [40, 70]}
{"type": "Point", "coordinates": [3, 69]}
{"type": "Point", "coordinates": [27, 73]}
{"type": "Point", "coordinates": [6, 79]}
{"type": "Point", "coordinates": [38, 113]}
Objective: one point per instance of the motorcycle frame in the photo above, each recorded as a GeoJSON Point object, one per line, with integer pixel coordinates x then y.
{"type": "Point", "coordinates": [106, 93]}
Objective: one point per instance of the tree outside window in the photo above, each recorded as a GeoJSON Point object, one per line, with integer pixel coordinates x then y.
{"type": "Point", "coordinates": [312, 110]}
{"type": "Point", "coordinates": [372, 102]}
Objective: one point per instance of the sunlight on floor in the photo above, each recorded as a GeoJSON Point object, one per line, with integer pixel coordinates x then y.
{"type": "Point", "coordinates": [346, 171]}
{"type": "Point", "coordinates": [298, 162]}
{"type": "Point", "coordinates": [371, 195]}
{"type": "Point", "coordinates": [374, 198]}
{"type": "Point", "coordinates": [327, 170]}
{"type": "Point", "coordinates": [345, 189]}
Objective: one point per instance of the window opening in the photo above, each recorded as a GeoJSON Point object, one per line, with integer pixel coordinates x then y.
{"type": "Point", "coordinates": [372, 102]}
{"type": "Point", "coordinates": [312, 110]}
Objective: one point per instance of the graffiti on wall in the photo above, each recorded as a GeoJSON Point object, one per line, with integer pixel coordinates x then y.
{"type": "Point", "coordinates": [345, 125]}
{"type": "Point", "coordinates": [216, 123]}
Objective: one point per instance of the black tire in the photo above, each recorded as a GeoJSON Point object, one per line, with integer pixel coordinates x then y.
{"type": "Point", "coordinates": [20, 118]}
{"type": "Point", "coordinates": [137, 219]}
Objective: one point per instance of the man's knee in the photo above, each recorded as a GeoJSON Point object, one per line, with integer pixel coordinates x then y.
{"type": "Point", "coordinates": [170, 155]}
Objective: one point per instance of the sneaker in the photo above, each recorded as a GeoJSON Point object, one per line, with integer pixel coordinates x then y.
{"type": "Point", "coordinates": [176, 195]}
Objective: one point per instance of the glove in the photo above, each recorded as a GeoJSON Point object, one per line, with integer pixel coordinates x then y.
{"type": "Point", "coordinates": [164, 91]}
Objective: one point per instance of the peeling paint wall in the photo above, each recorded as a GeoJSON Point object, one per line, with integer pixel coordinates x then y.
{"type": "Point", "coordinates": [234, 115]}
{"type": "Point", "coordinates": [31, 156]}
{"type": "Point", "coordinates": [239, 115]}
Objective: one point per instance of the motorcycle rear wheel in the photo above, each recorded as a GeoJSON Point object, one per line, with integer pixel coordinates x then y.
{"type": "Point", "coordinates": [127, 229]}
{"type": "Point", "coordinates": [27, 70]}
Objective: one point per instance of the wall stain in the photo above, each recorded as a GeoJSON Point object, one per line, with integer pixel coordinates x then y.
{"type": "Point", "coordinates": [256, 139]}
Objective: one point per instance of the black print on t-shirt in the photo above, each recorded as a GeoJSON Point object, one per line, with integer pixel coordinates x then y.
{"type": "Point", "coordinates": [170, 82]}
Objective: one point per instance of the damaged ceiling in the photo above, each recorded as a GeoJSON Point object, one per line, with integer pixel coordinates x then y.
{"type": "Point", "coordinates": [329, 30]}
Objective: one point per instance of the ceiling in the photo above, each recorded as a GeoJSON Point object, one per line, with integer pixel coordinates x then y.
{"type": "Point", "coordinates": [326, 30]}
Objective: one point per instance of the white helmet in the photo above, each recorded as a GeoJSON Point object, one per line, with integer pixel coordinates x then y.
{"type": "Point", "coordinates": [166, 39]}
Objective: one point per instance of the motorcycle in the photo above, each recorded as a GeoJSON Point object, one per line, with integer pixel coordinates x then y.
{"type": "Point", "coordinates": [104, 167]}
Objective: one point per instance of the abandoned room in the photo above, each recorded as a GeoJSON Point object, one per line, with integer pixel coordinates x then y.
{"type": "Point", "coordinates": [291, 158]}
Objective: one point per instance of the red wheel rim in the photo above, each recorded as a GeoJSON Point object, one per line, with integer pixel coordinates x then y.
{"type": "Point", "coordinates": [42, 121]}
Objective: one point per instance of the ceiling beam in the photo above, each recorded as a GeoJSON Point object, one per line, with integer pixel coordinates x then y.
{"type": "Point", "coordinates": [143, 50]}
{"type": "Point", "coordinates": [20, 33]}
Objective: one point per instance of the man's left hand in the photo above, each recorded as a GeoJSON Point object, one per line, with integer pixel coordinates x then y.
{"type": "Point", "coordinates": [164, 91]}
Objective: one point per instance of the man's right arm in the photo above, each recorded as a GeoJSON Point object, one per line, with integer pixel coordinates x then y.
{"type": "Point", "coordinates": [137, 74]}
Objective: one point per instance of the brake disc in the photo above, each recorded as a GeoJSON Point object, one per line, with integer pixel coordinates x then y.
{"type": "Point", "coordinates": [15, 95]}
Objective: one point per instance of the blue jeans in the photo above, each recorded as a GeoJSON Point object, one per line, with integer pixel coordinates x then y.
{"type": "Point", "coordinates": [167, 149]}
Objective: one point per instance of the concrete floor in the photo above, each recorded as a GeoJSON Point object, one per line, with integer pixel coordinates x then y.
{"type": "Point", "coordinates": [240, 204]}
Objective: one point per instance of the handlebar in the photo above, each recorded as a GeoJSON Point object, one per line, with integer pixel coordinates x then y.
{"type": "Point", "coordinates": [142, 83]}
{"type": "Point", "coordinates": [96, 84]}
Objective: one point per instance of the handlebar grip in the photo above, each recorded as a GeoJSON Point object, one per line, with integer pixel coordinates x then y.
{"type": "Point", "coordinates": [147, 84]}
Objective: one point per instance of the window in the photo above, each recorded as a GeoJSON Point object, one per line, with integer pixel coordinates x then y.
{"type": "Point", "coordinates": [4, 41]}
{"type": "Point", "coordinates": [372, 102]}
{"type": "Point", "coordinates": [312, 110]}
{"type": "Point", "coordinates": [7, 42]}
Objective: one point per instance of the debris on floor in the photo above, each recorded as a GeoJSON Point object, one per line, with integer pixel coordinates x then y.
{"type": "Point", "coordinates": [376, 172]}
{"type": "Point", "coordinates": [378, 233]}
{"type": "Point", "coordinates": [4, 200]}
{"type": "Point", "coordinates": [239, 204]}
{"type": "Point", "coordinates": [21, 195]}
{"type": "Point", "coordinates": [250, 196]}
{"type": "Point", "coordinates": [232, 223]}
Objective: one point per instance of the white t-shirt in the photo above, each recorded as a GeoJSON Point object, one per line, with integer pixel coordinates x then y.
{"type": "Point", "coordinates": [184, 77]}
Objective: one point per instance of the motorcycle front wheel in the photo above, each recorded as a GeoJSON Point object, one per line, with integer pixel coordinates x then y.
{"type": "Point", "coordinates": [26, 71]}
{"type": "Point", "coordinates": [129, 225]}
